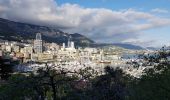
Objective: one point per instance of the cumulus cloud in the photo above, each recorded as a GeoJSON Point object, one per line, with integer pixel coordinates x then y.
{"type": "Point", "coordinates": [103, 25]}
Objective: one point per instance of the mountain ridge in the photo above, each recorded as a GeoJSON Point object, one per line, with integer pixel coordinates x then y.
{"type": "Point", "coordinates": [11, 30]}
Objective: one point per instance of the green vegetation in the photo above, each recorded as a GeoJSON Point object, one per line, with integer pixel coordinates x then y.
{"type": "Point", "coordinates": [6, 67]}
{"type": "Point", "coordinates": [154, 85]}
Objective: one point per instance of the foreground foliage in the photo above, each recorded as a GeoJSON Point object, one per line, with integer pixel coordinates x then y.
{"type": "Point", "coordinates": [154, 84]}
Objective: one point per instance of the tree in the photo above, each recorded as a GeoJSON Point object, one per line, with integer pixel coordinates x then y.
{"type": "Point", "coordinates": [18, 87]}
{"type": "Point", "coordinates": [48, 82]}
{"type": "Point", "coordinates": [6, 68]}
{"type": "Point", "coordinates": [154, 84]}
{"type": "Point", "coordinates": [112, 85]}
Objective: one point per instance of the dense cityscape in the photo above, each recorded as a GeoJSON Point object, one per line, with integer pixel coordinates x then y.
{"type": "Point", "coordinates": [68, 57]}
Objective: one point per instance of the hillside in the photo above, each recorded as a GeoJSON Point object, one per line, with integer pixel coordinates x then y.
{"type": "Point", "coordinates": [16, 31]}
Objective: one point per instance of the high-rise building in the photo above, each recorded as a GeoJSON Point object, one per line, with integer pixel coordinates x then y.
{"type": "Point", "coordinates": [38, 44]}
{"type": "Point", "coordinates": [64, 46]}
{"type": "Point", "coordinates": [72, 44]}
{"type": "Point", "coordinates": [69, 42]}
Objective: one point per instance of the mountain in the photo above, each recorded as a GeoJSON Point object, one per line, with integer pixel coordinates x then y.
{"type": "Point", "coordinates": [153, 48]}
{"type": "Point", "coordinates": [16, 31]}
{"type": "Point", "coordinates": [128, 46]}
{"type": "Point", "coordinates": [123, 45]}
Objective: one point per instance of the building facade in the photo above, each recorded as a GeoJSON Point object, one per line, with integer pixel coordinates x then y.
{"type": "Point", "coordinates": [38, 46]}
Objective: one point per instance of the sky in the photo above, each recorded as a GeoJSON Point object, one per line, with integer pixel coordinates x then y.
{"type": "Point", "coordinates": [140, 22]}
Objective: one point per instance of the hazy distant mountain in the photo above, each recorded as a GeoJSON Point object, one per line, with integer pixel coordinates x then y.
{"type": "Point", "coordinates": [10, 30]}
{"type": "Point", "coordinates": [128, 46]}
{"type": "Point", "coordinates": [123, 45]}
{"type": "Point", "coordinates": [153, 48]}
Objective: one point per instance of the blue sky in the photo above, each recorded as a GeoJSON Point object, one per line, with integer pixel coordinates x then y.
{"type": "Point", "coordinates": [120, 4]}
{"type": "Point", "coordinates": [140, 22]}
{"type": "Point", "coordinates": [160, 35]}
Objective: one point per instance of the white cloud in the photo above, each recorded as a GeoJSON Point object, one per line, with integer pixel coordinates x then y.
{"type": "Point", "coordinates": [140, 42]}
{"type": "Point", "coordinates": [103, 25]}
{"type": "Point", "coordinates": [158, 10]}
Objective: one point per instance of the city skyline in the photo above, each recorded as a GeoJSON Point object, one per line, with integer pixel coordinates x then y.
{"type": "Point", "coordinates": [144, 23]}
